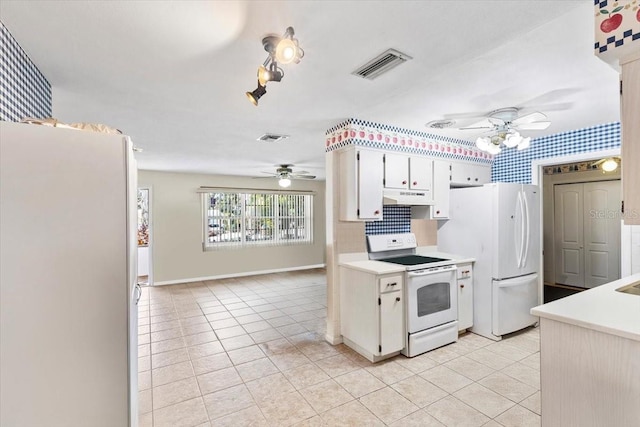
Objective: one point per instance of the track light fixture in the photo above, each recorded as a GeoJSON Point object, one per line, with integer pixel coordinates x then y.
{"type": "Point", "coordinates": [282, 50]}
{"type": "Point", "coordinates": [257, 93]}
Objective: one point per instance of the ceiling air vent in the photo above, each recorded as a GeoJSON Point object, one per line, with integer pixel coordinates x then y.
{"type": "Point", "coordinates": [272, 137]}
{"type": "Point", "coordinates": [381, 64]}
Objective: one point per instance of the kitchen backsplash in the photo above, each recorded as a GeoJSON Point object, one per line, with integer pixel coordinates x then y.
{"type": "Point", "coordinates": [515, 166]}
{"type": "Point", "coordinates": [395, 219]}
{"type": "Point", "coordinates": [25, 91]}
{"type": "Point", "coordinates": [375, 135]}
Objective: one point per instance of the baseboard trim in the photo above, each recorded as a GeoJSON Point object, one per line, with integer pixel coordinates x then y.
{"type": "Point", "coordinates": [243, 274]}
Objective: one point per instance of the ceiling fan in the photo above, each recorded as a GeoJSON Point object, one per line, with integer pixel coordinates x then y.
{"type": "Point", "coordinates": [506, 119]}
{"type": "Point", "coordinates": [285, 174]}
{"type": "Point", "coordinates": [503, 126]}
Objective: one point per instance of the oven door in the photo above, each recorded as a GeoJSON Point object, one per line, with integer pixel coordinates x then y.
{"type": "Point", "coordinates": [431, 298]}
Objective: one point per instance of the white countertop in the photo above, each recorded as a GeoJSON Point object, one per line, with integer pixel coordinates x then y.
{"type": "Point", "coordinates": [601, 309]}
{"type": "Point", "coordinates": [360, 261]}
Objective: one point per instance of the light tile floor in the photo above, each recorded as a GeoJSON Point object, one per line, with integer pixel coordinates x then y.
{"type": "Point", "coordinates": [251, 352]}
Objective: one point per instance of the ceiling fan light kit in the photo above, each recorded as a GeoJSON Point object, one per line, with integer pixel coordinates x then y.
{"type": "Point", "coordinates": [285, 174]}
{"type": "Point", "coordinates": [504, 124]}
{"type": "Point", "coordinates": [282, 50]}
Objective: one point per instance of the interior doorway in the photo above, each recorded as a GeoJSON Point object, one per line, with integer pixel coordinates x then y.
{"type": "Point", "coordinates": [145, 270]}
{"type": "Point", "coordinates": [546, 173]}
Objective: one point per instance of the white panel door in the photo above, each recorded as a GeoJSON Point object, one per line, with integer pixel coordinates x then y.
{"type": "Point", "coordinates": [396, 171]}
{"type": "Point", "coordinates": [601, 232]}
{"type": "Point", "coordinates": [569, 234]}
{"type": "Point", "coordinates": [441, 179]}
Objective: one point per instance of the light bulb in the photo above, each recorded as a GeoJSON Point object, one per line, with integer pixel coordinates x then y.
{"type": "Point", "coordinates": [284, 182]}
{"type": "Point", "coordinates": [286, 51]}
{"type": "Point", "coordinates": [609, 165]}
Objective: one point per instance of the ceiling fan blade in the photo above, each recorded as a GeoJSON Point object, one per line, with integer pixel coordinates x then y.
{"type": "Point", "coordinates": [536, 116]}
{"type": "Point", "coordinates": [476, 127]}
{"type": "Point", "coordinates": [270, 173]}
{"type": "Point", "coordinates": [532, 126]}
{"type": "Point", "coordinates": [482, 124]}
{"type": "Point", "coordinates": [294, 176]}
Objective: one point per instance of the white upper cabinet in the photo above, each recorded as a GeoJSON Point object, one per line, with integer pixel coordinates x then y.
{"type": "Point", "coordinates": [361, 177]}
{"type": "Point", "coordinates": [396, 171]}
{"type": "Point", "coordinates": [421, 174]}
{"type": "Point", "coordinates": [441, 179]}
{"type": "Point", "coordinates": [469, 174]}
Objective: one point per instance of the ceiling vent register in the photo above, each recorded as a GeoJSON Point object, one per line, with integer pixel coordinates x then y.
{"type": "Point", "coordinates": [272, 137]}
{"type": "Point", "coordinates": [381, 64]}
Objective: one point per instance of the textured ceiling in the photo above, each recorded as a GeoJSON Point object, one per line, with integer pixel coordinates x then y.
{"type": "Point", "coordinates": [172, 74]}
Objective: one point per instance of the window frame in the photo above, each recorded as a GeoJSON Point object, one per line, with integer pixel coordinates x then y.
{"type": "Point", "coordinates": [244, 218]}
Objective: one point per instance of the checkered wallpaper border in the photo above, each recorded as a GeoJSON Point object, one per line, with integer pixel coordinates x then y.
{"type": "Point", "coordinates": [515, 166]}
{"type": "Point", "coordinates": [395, 219]}
{"type": "Point", "coordinates": [24, 91]}
{"type": "Point", "coordinates": [615, 34]}
{"type": "Point", "coordinates": [375, 135]}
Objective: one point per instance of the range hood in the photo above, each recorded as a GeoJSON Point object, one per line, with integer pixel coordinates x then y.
{"type": "Point", "coordinates": [408, 197]}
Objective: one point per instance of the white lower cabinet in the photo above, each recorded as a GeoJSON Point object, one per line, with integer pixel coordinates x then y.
{"type": "Point", "coordinates": [465, 296]}
{"type": "Point", "coordinates": [372, 313]}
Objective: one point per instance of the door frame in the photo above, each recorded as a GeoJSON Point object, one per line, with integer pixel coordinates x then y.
{"type": "Point", "coordinates": [537, 173]}
{"type": "Point", "coordinates": [150, 266]}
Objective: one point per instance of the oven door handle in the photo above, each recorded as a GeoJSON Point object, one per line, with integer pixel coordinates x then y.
{"type": "Point", "coordinates": [427, 272]}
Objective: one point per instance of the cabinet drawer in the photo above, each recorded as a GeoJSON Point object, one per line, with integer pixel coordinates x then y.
{"type": "Point", "coordinates": [464, 271]}
{"type": "Point", "coordinates": [390, 283]}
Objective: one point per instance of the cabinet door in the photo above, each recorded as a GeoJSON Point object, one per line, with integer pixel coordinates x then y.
{"type": "Point", "coordinates": [465, 297]}
{"type": "Point", "coordinates": [421, 174]}
{"type": "Point", "coordinates": [460, 173]}
{"type": "Point", "coordinates": [396, 171]}
{"type": "Point", "coordinates": [630, 111]}
{"type": "Point", "coordinates": [370, 178]}
{"type": "Point", "coordinates": [441, 177]}
{"type": "Point", "coordinates": [392, 334]}
{"type": "Point", "coordinates": [482, 174]}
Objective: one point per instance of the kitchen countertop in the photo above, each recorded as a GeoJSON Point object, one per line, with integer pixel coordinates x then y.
{"type": "Point", "coordinates": [601, 309]}
{"type": "Point", "coordinates": [360, 261]}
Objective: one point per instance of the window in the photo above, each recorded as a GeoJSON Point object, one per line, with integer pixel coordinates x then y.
{"type": "Point", "coordinates": [254, 219]}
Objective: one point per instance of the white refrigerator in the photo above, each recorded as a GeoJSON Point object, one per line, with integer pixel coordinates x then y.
{"type": "Point", "coordinates": [498, 224]}
{"type": "Point", "coordinates": [68, 294]}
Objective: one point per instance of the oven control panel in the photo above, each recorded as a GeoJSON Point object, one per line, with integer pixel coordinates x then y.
{"type": "Point", "coordinates": [386, 242]}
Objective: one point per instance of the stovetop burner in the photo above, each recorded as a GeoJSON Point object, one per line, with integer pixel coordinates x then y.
{"type": "Point", "coordinates": [413, 260]}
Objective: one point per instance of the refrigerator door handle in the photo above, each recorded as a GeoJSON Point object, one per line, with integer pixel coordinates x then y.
{"type": "Point", "coordinates": [527, 230]}
{"type": "Point", "coordinates": [519, 250]}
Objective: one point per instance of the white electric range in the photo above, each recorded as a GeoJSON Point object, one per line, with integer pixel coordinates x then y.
{"type": "Point", "coordinates": [431, 306]}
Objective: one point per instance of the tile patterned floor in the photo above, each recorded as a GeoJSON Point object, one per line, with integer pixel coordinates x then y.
{"type": "Point", "coordinates": [251, 352]}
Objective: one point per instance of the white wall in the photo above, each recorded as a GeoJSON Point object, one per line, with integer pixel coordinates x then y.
{"type": "Point", "coordinates": [177, 230]}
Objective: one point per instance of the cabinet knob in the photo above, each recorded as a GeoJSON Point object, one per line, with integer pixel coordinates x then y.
{"type": "Point", "coordinates": [468, 178]}
{"type": "Point", "coordinates": [404, 182]}
{"type": "Point", "coordinates": [476, 179]}
{"type": "Point", "coordinates": [392, 284]}
{"type": "Point", "coordinates": [461, 286]}
{"type": "Point", "coordinates": [437, 212]}
{"type": "Point", "coordinates": [415, 182]}
{"type": "Point", "coordinates": [376, 213]}
{"type": "Point", "coordinates": [397, 299]}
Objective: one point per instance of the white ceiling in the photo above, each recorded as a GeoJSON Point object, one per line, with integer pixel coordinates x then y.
{"type": "Point", "coordinates": [172, 74]}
